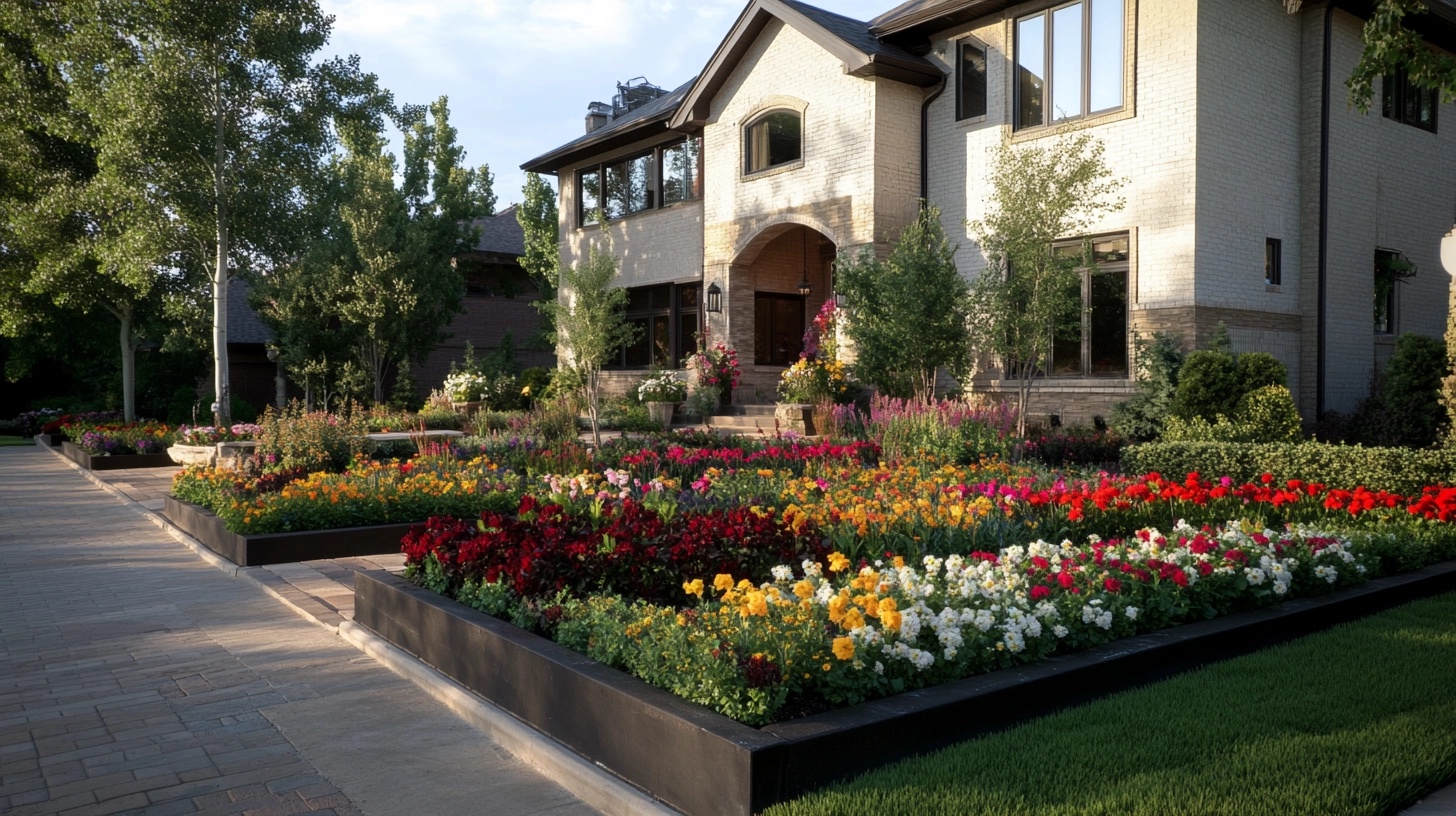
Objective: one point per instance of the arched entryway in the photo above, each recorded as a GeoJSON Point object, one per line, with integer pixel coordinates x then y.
{"type": "Point", "coordinates": [779, 281]}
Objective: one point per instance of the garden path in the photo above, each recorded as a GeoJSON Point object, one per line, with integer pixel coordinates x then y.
{"type": "Point", "coordinates": [136, 678]}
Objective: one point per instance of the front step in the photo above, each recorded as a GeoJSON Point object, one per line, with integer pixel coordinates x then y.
{"type": "Point", "coordinates": [751, 410]}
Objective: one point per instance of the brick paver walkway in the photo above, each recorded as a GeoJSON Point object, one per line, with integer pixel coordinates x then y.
{"type": "Point", "coordinates": [136, 678]}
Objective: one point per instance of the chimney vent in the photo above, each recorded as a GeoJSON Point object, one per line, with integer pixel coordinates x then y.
{"type": "Point", "coordinates": [598, 114]}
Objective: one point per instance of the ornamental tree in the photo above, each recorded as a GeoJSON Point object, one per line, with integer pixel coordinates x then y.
{"type": "Point", "coordinates": [1040, 192]}
{"type": "Point", "coordinates": [908, 313]}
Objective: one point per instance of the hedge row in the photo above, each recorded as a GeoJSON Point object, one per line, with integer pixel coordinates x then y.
{"type": "Point", "coordinates": [1402, 470]}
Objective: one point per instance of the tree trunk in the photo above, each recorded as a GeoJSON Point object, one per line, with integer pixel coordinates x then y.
{"type": "Point", "coordinates": [591, 407]}
{"type": "Point", "coordinates": [128, 364]}
{"type": "Point", "coordinates": [223, 413]}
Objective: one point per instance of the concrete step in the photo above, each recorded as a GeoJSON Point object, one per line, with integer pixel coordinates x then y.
{"type": "Point", "coordinates": [746, 410]}
{"type": "Point", "coordinates": [742, 423]}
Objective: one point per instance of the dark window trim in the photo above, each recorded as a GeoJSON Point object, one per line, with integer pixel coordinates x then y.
{"type": "Point", "coordinates": [1273, 262]}
{"type": "Point", "coordinates": [757, 119]}
{"type": "Point", "coordinates": [1124, 267]}
{"type": "Point", "coordinates": [1395, 93]}
{"type": "Point", "coordinates": [655, 176]}
{"type": "Point", "coordinates": [961, 113]}
{"type": "Point", "coordinates": [803, 303]}
{"type": "Point", "coordinates": [679, 347]}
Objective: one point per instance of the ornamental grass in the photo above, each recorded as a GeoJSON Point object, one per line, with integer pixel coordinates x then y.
{"type": "Point", "coordinates": [1356, 721]}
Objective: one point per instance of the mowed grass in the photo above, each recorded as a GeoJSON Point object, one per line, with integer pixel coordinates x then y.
{"type": "Point", "coordinates": [1360, 719]}
{"type": "Point", "coordinates": [15, 441]}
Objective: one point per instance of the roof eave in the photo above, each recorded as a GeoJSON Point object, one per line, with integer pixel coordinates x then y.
{"type": "Point", "coordinates": [572, 152]}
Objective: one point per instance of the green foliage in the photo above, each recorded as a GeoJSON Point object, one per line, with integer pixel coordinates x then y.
{"type": "Point", "coordinates": [1362, 694]}
{"type": "Point", "coordinates": [1403, 470]}
{"type": "Point", "coordinates": [552, 421]}
{"type": "Point", "coordinates": [1258, 369]}
{"type": "Point", "coordinates": [590, 324]}
{"type": "Point", "coordinates": [1041, 192]}
{"type": "Point", "coordinates": [702, 402]}
{"type": "Point", "coordinates": [1266, 414]}
{"type": "Point", "coordinates": [535, 383]}
{"type": "Point", "coordinates": [1159, 359]}
{"type": "Point", "coordinates": [295, 437]}
{"type": "Point", "coordinates": [403, 396]}
{"type": "Point", "coordinates": [1404, 404]}
{"type": "Point", "coordinates": [539, 221]}
{"type": "Point", "coordinates": [1389, 44]}
{"type": "Point", "coordinates": [909, 311]}
{"type": "Point", "coordinates": [1208, 385]}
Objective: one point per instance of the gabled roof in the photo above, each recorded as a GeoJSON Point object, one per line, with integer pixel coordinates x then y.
{"type": "Point", "coordinates": [632, 126]}
{"type": "Point", "coordinates": [862, 53]}
{"type": "Point", "coordinates": [243, 324]}
{"type": "Point", "coordinates": [501, 233]}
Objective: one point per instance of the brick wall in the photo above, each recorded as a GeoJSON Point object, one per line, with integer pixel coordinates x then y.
{"type": "Point", "coordinates": [483, 324]}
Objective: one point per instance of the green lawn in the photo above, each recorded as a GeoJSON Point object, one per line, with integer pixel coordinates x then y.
{"type": "Point", "coordinates": [1360, 719]}
{"type": "Point", "coordinates": [15, 441]}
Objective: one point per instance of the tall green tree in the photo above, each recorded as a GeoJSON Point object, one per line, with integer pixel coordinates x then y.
{"type": "Point", "coordinates": [589, 320]}
{"type": "Point", "coordinates": [540, 222]}
{"type": "Point", "coordinates": [1040, 193]}
{"type": "Point", "coordinates": [208, 117]}
{"type": "Point", "coordinates": [1391, 44]}
{"type": "Point", "coordinates": [908, 313]}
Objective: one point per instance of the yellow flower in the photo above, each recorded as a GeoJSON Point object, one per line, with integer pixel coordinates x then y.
{"type": "Point", "coordinates": [694, 587]}
{"type": "Point", "coordinates": [804, 590]}
{"type": "Point", "coordinates": [852, 620]}
{"type": "Point", "coordinates": [526, 392]}
{"type": "Point", "coordinates": [838, 562]}
{"type": "Point", "coordinates": [836, 608]}
{"type": "Point", "coordinates": [844, 648]}
{"type": "Point", "coordinates": [723, 582]}
{"type": "Point", "coordinates": [755, 604]}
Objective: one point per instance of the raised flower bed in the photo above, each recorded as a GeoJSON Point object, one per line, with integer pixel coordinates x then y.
{"type": "Point", "coordinates": [704, 763]}
{"type": "Point", "coordinates": [281, 548]}
{"type": "Point", "coordinates": [121, 461]}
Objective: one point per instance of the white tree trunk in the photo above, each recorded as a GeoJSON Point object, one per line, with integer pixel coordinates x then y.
{"type": "Point", "coordinates": [128, 364]}
{"type": "Point", "coordinates": [223, 414]}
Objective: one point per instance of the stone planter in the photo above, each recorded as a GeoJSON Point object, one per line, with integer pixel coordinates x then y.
{"type": "Point", "coordinates": [231, 455]}
{"type": "Point", "coordinates": [795, 416]}
{"type": "Point", "coordinates": [186, 455]}
{"type": "Point", "coordinates": [661, 412]}
{"type": "Point", "coordinates": [467, 407]}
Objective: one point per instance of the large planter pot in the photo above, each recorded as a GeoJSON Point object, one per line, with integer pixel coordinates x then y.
{"type": "Point", "coordinates": [467, 407]}
{"type": "Point", "coordinates": [192, 454]}
{"type": "Point", "coordinates": [661, 412]}
{"type": "Point", "coordinates": [231, 455]}
{"type": "Point", "coordinates": [282, 548]}
{"type": "Point", "coordinates": [795, 416]}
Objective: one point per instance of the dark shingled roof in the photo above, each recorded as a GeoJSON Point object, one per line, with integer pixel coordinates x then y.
{"type": "Point", "coordinates": [501, 233]}
{"type": "Point", "coordinates": [244, 325]}
{"type": "Point", "coordinates": [854, 32]}
{"type": "Point", "coordinates": [658, 110]}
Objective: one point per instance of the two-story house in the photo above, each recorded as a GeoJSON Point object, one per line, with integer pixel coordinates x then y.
{"type": "Point", "coordinates": [1256, 196]}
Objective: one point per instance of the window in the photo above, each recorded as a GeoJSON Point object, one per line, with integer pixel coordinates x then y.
{"type": "Point", "coordinates": [774, 139]}
{"type": "Point", "coordinates": [667, 175]}
{"type": "Point", "coordinates": [778, 328]}
{"type": "Point", "coordinates": [1404, 102]}
{"type": "Point", "coordinates": [1273, 262]}
{"type": "Point", "coordinates": [1069, 62]}
{"type": "Point", "coordinates": [666, 318]}
{"type": "Point", "coordinates": [1098, 347]}
{"type": "Point", "coordinates": [970, 79]}
{"type": "Point", "coordinates": [1391, 267]}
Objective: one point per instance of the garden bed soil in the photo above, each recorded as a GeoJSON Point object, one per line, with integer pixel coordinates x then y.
{"type": "Point", "coordinates": [704, 763]}
{"type": "Point", "coordinates": [127, 461]}
{"type": "Point", "coordinates": [282, 548]}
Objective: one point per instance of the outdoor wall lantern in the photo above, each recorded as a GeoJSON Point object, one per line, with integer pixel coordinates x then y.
{"type": "Point", "coordinates": [840, 301]}
{"type": "Point", "coordinates": [1448, 252]}
{"type": "Point", "coordinates": [804, 287]}
{"type": "Point", "coordinates": [714, 299]}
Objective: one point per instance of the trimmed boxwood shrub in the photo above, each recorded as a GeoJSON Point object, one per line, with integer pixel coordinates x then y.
{"type": "Point", "coordinates": [1401, 470]}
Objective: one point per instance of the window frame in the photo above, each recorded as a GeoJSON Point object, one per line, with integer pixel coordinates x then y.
{"type": "Point", "coordinates": [674, 310]}
{"type": "Point", "coordinates": [1086, 274]}
{"type": "Point", "coordinates": [1395, 98]}
{"type": "Point", "coordinates": [1273, 262]}
{"type": "Point", "coordinates": [655, 183]}
{"type": "Point", "coordinates": [1085, 60]}
{"type": "Point", "coordinates": [962, 115]}
{"type": "Point", "coordinates": [761, 118]}
{"type": "Point", "coordinates": [1391, 326]}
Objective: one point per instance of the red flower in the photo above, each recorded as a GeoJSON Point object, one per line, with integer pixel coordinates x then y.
{"type": "Point", "coordinates": [1066, 580]}
{"type": "Point", "coordinates": [1039, 592]}
{"type": "Point", "coordinates": [1112, 585]}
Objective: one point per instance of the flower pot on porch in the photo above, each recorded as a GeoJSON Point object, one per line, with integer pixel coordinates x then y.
{"type": "Point", "coordinates": [795, 416]}
{"type": "Point", "coordinates": [661, 412]}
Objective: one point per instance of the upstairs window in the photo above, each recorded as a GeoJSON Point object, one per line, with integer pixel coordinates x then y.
{"type": "Point", "coordinates": [1407, 103]}
{"type": "Point", "coordinates": [970, 80]}
{"type": "Point", "coordinates": [667, 175]}
{"type": "Point", "coordinates": [1273, 262]}
{"type": "Point", "coordinates": [1069, 62]}
{"type": "Point", "coordinates": [772, 140]}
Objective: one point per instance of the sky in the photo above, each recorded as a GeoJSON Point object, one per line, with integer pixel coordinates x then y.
{"type": "Point", "coordinates": [519, 73]}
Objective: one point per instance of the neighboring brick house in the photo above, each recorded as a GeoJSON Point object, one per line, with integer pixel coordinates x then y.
{"type": "Point", "coordinates": [499, 298]}
{"type": "Point", "coordinates": [1256, 197]}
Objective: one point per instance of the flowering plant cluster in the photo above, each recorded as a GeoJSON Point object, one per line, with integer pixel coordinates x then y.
{"type": "Point", "coordinates": [663, 386]}
{"type": "Point", "coordinates": [837, 632]}
{"type": "Point", "coordinates": [465, 386]}
{"type": "Point", "coordinates": [716, 366]}
{"type": "Point", "coordinates": [29, 423]}
{"type": "Point", "coordinates": [208, 435]}
{"type": "Point", "coordinates": [811, 380]}
{"type": "Point", "coordinates": [117, 439]}
{"type": "Point", "coordinates": [64, 422]}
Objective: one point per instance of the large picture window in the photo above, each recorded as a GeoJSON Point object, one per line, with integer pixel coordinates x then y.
{"type": "Point", "coordinates": [1097, 347]}
{"type": "Point", "coordinates": [665, 176]}
{"type": "Point", "coordinates": [1069, 62]}
{"type": "Point", "coordinates": [666, 317]}
{"type": "Point", "coordinates": [774, 139]}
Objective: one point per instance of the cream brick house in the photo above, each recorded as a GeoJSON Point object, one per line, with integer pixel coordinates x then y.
{"type": "Point", "coordinates": [1255, 196]}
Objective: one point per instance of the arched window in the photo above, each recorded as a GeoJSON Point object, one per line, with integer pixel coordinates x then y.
{"type": "Point", "coordinates": [774, 139]}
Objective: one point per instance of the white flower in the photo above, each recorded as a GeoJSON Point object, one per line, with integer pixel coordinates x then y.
{"type": "Point", "coordinates": [1059, 630]}
{"type": "Point", "coordinates": [1131, 612]}
{"type": "Point", "coordinates": [782, 572]}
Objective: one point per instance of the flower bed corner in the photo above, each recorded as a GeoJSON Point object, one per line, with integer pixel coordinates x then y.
{"type": "Point", "coordinates": [281, 548]}
{"type": "Point", "coordinates": [704, 763]}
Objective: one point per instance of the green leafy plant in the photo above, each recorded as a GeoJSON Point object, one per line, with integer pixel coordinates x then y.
{"type": "Point", "coordinates": [1159, 359]}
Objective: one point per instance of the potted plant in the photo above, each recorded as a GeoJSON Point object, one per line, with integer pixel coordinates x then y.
{"type": "Point", "coordinates": [661, 392]}
{"type": "Point", "coordinates": [466, 390]}
{"type": "Point", "coordinates": [716, 367]}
